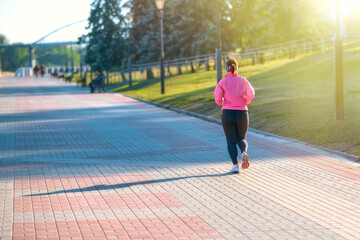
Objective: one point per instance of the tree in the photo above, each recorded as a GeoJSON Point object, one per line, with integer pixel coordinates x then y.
{"type": "Point", "coordinates": [12, 58]}
{"type": "Point", "coordinates": [278, 21]}
{"type": "Point", "coordinates": [192, 27]}
{"type": "Point", "coordinates": [145, 31]}
{"type": "Point", "coordinates": [54, 56]}
{"type": "Point", "coordinates": [189, 29]}
{"type": "Point", "coordinates": [245, 22]}
{"type": "Point", "coordinates": [106, 37]}
{"type": "Point", "coordinates": [3, 39]}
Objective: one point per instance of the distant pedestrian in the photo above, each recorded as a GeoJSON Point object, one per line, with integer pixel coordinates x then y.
{"type": "Point", "coordinates": [234, 93]}
{"type": "Point", "coordinates": [36, 70]}
{"type": "Point", "coordinates": [98, 82]}
{"type": "Point", "coordinates": [42, 70]}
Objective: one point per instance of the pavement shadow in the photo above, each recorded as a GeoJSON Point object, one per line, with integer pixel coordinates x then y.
{"type": "Point", "coordinates": [82, 114]}
{"type": "Point", "coordinates": [125, 185]}
{"type": "Point", "coordinates": [32, 91]}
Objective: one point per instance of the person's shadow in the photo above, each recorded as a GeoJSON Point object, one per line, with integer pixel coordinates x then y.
{"type": "Point", "coordinates": [125, 185]}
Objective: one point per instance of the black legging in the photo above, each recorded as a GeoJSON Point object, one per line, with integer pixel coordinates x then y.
{"type": "Point", "coordinates": [235, 124]}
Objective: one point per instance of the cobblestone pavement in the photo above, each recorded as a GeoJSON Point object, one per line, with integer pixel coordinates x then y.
{"type": "Point", "coordinates": [76, 165]}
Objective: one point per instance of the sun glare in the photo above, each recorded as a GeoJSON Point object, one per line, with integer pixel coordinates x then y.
{"type": "Point", "coordinates": [346, 7]}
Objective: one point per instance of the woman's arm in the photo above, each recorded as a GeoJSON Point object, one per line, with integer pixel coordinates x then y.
{"type": "Point", "coordinates": [219, 94]}
{"type": "Point", "coordinates": [249, 92]}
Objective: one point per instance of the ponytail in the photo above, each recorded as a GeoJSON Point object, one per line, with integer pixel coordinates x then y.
{"type": "Point", "coordinates": [233, 68]}
{"type": "Point", "coordinates": [231, 65]}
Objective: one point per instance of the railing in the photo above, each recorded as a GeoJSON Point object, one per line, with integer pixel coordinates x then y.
{"type": "Point", "coordinates": [246, 57]}
{"type": "Point", "coordinates": [26, 71]}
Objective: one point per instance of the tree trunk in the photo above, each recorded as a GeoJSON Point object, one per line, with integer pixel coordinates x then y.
{"type": "Point", "coordinates": [149, 73]}
{"type": "Point", "coordinates": [192, 67]}
{"type": "Point", "coordinates": [168, 69]}
{"type": "Point", "coordinates": [179, 69]}
{"type": "Point", "coordinates": [124, 80]}
{"type": "Point", "coordinates": [107, 76]}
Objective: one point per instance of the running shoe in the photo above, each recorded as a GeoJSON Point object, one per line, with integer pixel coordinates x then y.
{"type": "Point", "coordinates": [235, 169]}
{"type": "Point", "coordinates": [245, 160]}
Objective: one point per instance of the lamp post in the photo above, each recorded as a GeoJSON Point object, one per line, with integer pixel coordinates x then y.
{"type": "Point", "coordinates": [218, 48]}
{"type": "Point", "coordinates": [0, 63]}
{"type": "Point", "coordinates": [339, 76]}
{"type": "Point", "coordinates": [160, 7]}
{"type": "Point", "coordinates": [82, 78]}
{"type": "Point", "coordinates": [128, 17]}
{"type": "Point", "coordinates": [81, 71]}
{"type": "Point", "coordinates": [31, 57]}
{"type": "Point", "coordinates": [72, 58]}
{"type": "Point", "coordinates": [65, 55]}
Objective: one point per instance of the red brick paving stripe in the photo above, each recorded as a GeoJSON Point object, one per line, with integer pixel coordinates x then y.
{"type": "Point", "coordinates": [22, 166]}
{"type": "Point", "coordinates": [71, 182]}
{"type": "Point", "coordinates": [48, 203]}
{"type": "Point", "coordinates": [331, 165]}
{"type": "Point", "coordinates": [325, 163]}
{"type": "Point", "coordinates": [26, 104]}
{"type": "Point", "coordinates": [152, 228]}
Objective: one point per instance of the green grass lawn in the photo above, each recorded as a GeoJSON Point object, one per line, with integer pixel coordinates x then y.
{"type": "Point", "coordinates": [294, 98]}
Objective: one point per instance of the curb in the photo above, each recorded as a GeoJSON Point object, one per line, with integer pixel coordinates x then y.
{"type": "Point", "coordinates": [348, 156]}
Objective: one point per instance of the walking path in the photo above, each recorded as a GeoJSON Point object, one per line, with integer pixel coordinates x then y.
{"type": "Point", "coordinates": [75, 165]}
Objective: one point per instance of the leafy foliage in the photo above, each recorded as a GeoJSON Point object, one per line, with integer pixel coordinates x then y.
{"type": "Point", "coordinates": [145, 33]}
{"type": "Point", "coordinates": [189, 29]}
{"type": "Point", "coordinates": [55, 56]}
{"type": "Point", "coordinates": [12, 58]}
{"type": "Point", "coordinates": [190, 26]}
{"type": "Point", "coordinates": [247, 22]}
{"type": "Point", "coordinates": [289, 20]}
{"type": "Point", "coordinates": [106, 38]}
{"type": "Point", "coordinates": [3, 39]}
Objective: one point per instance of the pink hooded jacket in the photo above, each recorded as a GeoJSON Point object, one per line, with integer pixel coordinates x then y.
{"type": "Point", "coordinates": [234, 92]}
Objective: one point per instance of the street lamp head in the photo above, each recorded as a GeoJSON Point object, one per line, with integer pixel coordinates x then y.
{"type": "Point", "coordinates": [128, 16]}
{"type": "Point", "coordinates": [160, 4]}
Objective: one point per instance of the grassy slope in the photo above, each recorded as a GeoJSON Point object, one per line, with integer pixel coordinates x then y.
{"type": "Point", "coordinates": [294, 98]}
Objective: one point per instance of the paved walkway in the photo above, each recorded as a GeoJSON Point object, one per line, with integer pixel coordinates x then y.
{"type": "Point", "coordinates": [75, 165]}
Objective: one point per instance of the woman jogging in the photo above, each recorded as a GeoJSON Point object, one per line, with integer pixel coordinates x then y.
{"type": "Point", "coordinates": [234, 93]}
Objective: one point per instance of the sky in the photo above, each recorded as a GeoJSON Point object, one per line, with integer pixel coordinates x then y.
{"type": "Point", "coordinates": [27, 21]}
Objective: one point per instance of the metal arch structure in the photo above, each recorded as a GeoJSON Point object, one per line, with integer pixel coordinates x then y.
{"type": "Point", "coordinates": [36, 44]}
{"type": "Point", "coordinates": [51, 44]}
